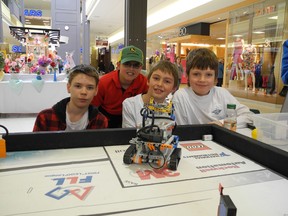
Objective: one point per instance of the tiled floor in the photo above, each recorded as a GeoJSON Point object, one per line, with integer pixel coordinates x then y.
{"type": "Point", "coordinates": [17, 123]}
{"type": "Point", "coordinates": [261, 106]}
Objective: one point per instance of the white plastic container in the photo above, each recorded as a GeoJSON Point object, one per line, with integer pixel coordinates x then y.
{"type": "Point", "coordinates": [272, 128]}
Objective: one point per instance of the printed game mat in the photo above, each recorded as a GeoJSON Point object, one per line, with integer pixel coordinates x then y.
{"type": "Point", "coordinates": [95, 181]}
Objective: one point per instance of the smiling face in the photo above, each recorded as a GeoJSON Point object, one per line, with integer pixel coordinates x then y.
{"type": "Point", "coordinates": [201, 81]}
{"type": "Point", "coordinates": [202, 69]}
{"type": "Point", "coordinates": [129, 71]}
{"type": "Point", "coordinates": [161, 84]}
{"type": "Point", "coordinates": [82, 89]}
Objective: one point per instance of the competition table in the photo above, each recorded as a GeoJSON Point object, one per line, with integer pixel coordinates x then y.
{"type": "Point", "coordinates": [26, 98]}
{"type": "Point", "coordinates": [82, 173]}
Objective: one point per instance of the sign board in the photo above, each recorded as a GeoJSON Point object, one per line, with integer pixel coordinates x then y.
{"type": "Point", "coordinates": [101, 42]}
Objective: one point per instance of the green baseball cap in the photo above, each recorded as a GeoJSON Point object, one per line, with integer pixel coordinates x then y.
{"type": "Point", "coordinates": [131, 53]}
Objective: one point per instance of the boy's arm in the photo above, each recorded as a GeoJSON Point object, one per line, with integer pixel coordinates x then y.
{"type": "Point", "coordinates": [179, 110]}
{"type": "Point", "coordinates": [128, 119]}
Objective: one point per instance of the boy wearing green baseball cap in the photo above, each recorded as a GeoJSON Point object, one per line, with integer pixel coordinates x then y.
{"type": "Point", "coordinates": [124, 82]}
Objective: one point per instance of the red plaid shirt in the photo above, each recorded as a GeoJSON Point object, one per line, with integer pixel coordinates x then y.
{"type": "Point", "coordinates": [54, 119]}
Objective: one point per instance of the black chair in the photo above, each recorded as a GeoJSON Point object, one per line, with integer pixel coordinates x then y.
{"type": "Point", "coordinates": [255, 111]}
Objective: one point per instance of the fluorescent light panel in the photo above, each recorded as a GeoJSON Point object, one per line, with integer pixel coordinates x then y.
{"type": "Point", "coordinates": [167, 12]}
{"type": "Point", "coordinates": [258, 32]}
{"type": "Point", "coordinates": [7, 22]}
{"type": "Point", "coordinates": [93, 8]}
{"type": "Point", "coordinates": [173, 10]}
{"type": "Point", "coordinates": [273, 17]}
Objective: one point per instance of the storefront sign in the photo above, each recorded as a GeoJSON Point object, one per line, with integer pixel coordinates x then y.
{"type": "Point", "coordinates": [37, 13]}
{"type": "Point", "coordinates": [182, 31]}
{"type": "Point", "coordinates": [195, 29]}
{"type": "Point", "coordinates": [16, 49]}
{"type": "Point", "coordinates": [101, 43]}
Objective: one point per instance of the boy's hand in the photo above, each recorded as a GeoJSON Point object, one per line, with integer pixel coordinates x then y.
{"type": "Point", "coordinates": [217, 123]}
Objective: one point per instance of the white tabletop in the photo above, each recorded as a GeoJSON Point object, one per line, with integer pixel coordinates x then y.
{"type": "Point", "coordinates": [94, 181]}
{"type": "Point", "coordinates": [25, 98]}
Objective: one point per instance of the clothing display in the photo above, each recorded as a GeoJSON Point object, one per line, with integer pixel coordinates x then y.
{"type": "Point", "coordinates": [248, 64]}
{"type": "Point", "coordinates": [238, 50]}
{"type": "Point", "coordinates": [249, 55]}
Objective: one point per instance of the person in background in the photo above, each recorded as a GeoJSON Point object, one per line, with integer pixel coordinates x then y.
{"type": "Point", "coordinates": [124, 82]}
{"type": "Point", "coordinates": [220, 73]}
{"type": "Point", "coordinates": [180, 70]}
{"type": "Point", "coordinates": [284, 69]}
{"type": "Point", "coordinates": [101, 67]}
{"type": "Point", "coordinates": [74, 112]}
{"type": "Point", "coordinates": [111, 67]}
{"type": "Point", "coordinates": [162, 80]}
{"type": "Point", "coordinates": [202, 102]}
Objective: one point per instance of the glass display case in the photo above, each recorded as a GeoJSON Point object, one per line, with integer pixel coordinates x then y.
{"type": "Point", "coordinates": [253, 57]}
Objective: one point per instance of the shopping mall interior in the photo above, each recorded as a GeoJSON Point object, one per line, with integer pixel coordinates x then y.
{"type": "Point", "coordinates": [173, 29]}
{"type": "Point", "coordinates": [196, 151]}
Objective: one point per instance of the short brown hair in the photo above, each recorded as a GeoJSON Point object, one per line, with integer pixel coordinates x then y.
{"type": "Point", "coordinates": [202, 59]}
{"type": "Point", "coordinates": [83, 69]}
{"type": "Point", "coordinates": [167, 67]}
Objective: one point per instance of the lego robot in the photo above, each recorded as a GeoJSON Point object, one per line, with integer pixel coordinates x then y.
{"type": "Point", "coordinates": [154, 142]}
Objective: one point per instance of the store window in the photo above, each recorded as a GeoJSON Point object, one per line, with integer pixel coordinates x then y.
{"type": "Point", "coordinates": [255, 37]}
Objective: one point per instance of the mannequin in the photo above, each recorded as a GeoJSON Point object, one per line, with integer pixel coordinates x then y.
{"type": "Point", "coordinates": [249, 57]}
{"type": "Point", "coordinates": [237, 59]}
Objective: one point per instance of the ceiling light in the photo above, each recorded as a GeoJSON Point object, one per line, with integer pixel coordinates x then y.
{"type": "Point", "coordinates": [273, 17]}
{"type": "Point", "coordinates": [173, 10]}
{"type": "Point", "coordinates": [195, 44]}
{"type": "Point", "coordinates": [7, 22]}
{"type": "Point", "coordinates": [116, 37]}
{"type": "Point", "coordinates": [93, 8]}
{"type": "Point", "coordinates": [258, 32]}
{"type": "Point", "coordinates": [161, 15]}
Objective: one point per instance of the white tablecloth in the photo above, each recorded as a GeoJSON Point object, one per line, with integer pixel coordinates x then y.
{"type": "Point", "coordinates": [29, 100]}
{"type": "Point", "coordinates": [29, 77]}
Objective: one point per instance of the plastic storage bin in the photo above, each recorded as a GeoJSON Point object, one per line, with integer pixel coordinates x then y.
{"type": "Point", "coordinates": [272, 128]}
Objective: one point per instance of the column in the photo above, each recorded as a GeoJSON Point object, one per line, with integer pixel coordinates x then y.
{"type": "Point", "coordinates": [1, 24]}
{"type": "Point", "coordinates": [135, 25]}
{"type": "Point", "coordinates": [86, 35]}
{"type": "Point", "coordinates": [66, 16]}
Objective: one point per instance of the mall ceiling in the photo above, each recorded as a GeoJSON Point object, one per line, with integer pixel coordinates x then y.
{"type": "Point", "coordinates": [105, 19]}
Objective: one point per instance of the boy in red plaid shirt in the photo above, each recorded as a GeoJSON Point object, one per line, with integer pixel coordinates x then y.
{"type": "Point", "coordinates": [74, 112]}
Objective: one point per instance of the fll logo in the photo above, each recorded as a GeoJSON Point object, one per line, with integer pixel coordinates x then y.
{"type": "Point", "coordinates": [74, 188]}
